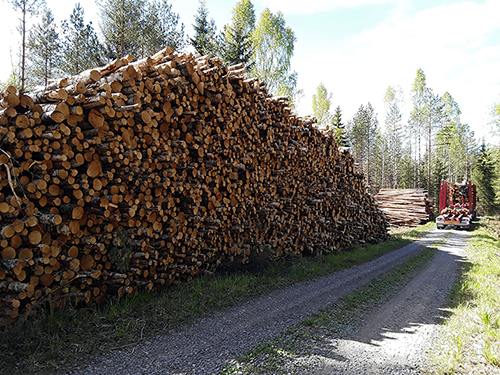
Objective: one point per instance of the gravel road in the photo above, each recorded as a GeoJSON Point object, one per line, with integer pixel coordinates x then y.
{"type": "Point", "coordinates": [395, 337]}
{"type": "Point", "coordinates": [212, 343]}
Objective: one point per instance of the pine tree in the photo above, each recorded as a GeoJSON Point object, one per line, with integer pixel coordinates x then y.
{"type": "Point", "coordinates": [27, 8]}
{"type": "Point", "coordinates": [81, 48]}
{"type": "Point", "coordinates": [394, 127]}
{"type": "Point", "coordinates": [44, 49]}
{"type": "Point", "coordinates": [204, 39]}
{"type": "Point", "coordinates": [121, 26]}
{"type": "Point", "coordinates": [160, 28]}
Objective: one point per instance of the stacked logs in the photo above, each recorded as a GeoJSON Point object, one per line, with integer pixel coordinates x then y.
{"type": "Point", "coordinates": [138, 175]}
{"type": "Point", "coordinates": [405, 207]}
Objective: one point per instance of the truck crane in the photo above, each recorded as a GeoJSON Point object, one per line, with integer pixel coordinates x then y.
{"type": "Point", "coordinates": [457, 205]}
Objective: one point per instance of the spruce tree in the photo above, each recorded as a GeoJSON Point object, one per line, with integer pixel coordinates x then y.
{"type": "Point", "coordinates": [204, 39]}
{"type": "Point", "coordinates": [484, 176]}
{"type": "Point", "coordinates": [238, 45]}
{"type": "Point", "coordinates": [339, 128]}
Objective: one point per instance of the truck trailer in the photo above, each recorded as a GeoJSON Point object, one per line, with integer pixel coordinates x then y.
{"type": "Point", "coordinates": [457, 205]}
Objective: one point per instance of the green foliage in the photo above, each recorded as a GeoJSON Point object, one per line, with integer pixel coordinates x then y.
{"type": "Point", "coordinates": [160, 28]}
{"type": "Point", "coordinates": [273, 43]}
{"type": "Point", "coordinates": [469, 339]}
{"type": "Point", "coordinates": [339, 128]}
{"type": "Point", "coordinates": [81, 49]}
{"type": "Point", "coordinates": [26, 8]}
{"type": "Point", "coordinates": [394, 127]}
{"type": "Point", "coordinates": [321, 102]}
{"type": "Point", "coordinates": [238, 45]}
{"type": "Point", "coordinates": [121, 26]}
{"type": "Point", "coordinates": [362, 134]}
{"type": "Point", "coordinates": [44, 50]}
{"type": "Point", "coordinates": [13, 80]}
{"type": "Point", "coordinates": [495, 116]}
{"type": "Point", "coordinates": [484, 177]}
{"type": "Point", "coordinates": [204, 39]}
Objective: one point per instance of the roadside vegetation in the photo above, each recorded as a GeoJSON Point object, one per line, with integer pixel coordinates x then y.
{"type": "Point", "coordinates": [469, 342]}
{"type": "Point", "coordinates": [53, 340]}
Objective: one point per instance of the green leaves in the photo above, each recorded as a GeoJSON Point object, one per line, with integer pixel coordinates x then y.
{"type": "Point", "coordinates": [273, 48]}
{"type": "Point", "coordinates": [321, 102]}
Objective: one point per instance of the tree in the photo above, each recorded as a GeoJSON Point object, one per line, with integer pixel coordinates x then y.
{"type": "Point", "coordinates": [81, 48]}
{"type": "Point", "coordinates": [321, 102]}
{"type": "Point", "coordinates": [44, 50]}
{"type": "Point", "coordinates": [434, 113]}
{"type": "Point", "coordinates": [121, 25]}
{"type": "Point", "coordinates": [26, 7]}
{"type": "Point", "coordinates": [393, 100]}
{"type": "Point", "coordinates": [339, 128]}
{"type": "Point", "coordinates": [160, 29]}
{"type": "Point", "coordinates": [484, 176]}
{"type": "Point", "coordinates": [204, 39]}
{"type": "Point", "coordinates": [363, 135]}
{"type": "Point", "coordinates": [273, 44]}
{"type": "Point", "coordinates": [238, 46]}
{"type": "Point", "coordinates": [419, 115]}
{"type": "Point", "coordinates": [495, 115]}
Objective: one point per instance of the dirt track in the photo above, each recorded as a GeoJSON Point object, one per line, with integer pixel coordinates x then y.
{"type": "Point", "coordinates": [390, 342]}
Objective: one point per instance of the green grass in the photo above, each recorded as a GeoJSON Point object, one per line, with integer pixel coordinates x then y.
{"type": "Point", "coordinates": [470, 337]}
{"type": "Point", "coordinates": [278, 355]}
{"type": "Point", "coordinates": [57, 339]}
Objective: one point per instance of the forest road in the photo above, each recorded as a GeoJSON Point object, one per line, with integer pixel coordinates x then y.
{"type": "Point", "coordinates": [395, 337]}
{"type": "Point", "coordinates": [385, 344]}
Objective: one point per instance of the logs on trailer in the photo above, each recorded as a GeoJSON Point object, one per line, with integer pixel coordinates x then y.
{"type": "Point", "coordinates": [139, 175]}
{"type": "Point", "coordinates": [405, 207]}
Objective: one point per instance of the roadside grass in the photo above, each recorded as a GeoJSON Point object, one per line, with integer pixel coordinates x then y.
{"type": "Point", "coordinates": [285, 353]}
{"type": "Point", "coordinates": [57, 340]}
{"type": "Point", "coordinates": [469, 340]}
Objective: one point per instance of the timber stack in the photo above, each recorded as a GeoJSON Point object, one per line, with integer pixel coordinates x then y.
{"type": "Point", "coordinates": [141, 174]}
{"type": "Point", "coordinates": [405, 207]}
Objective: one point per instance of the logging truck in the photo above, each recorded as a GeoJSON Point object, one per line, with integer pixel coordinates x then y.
{"type": "Point", "coordinates": [457, 205]}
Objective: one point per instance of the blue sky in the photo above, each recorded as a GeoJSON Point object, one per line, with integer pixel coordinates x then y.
{"type": "Point", "coordinates": [357, 48]}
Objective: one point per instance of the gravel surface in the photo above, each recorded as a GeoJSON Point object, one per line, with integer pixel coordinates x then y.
{"type": "Point", "coordinates": [212, 343]}
{"type": "Point", "coordinates": [395, 337]}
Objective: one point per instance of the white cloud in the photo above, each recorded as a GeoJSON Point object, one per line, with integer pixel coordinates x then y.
{"type": "Point", "coordinates": [448, 42]}
{"type": "Point", "coordinates": [314, 6]}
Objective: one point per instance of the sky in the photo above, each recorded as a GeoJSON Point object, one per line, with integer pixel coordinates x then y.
{"type": "Point", "coordinates": [357, 48]}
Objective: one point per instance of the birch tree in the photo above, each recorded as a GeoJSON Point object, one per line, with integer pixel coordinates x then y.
{"type": "Point", "coordinates": [273, 44]}
{"type": "Point", "coordinates": [321, 102]}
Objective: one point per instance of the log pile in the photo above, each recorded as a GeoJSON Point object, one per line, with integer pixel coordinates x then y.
{"type": "Point", "coordinates": [405, 207]}
{"type": "Point", "coordinates": [137, 175]}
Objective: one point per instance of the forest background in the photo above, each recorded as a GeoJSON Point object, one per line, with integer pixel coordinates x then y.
{"type": "Point", "coordinates": [346, 63]}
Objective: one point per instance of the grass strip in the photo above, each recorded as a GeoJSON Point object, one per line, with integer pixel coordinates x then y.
{"type": "Point", "coordinates": [469, 340]}
{"type": "Point", "coordinates": [56, 340]}
{"type": "Point", "coordinates": [286, 352]}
